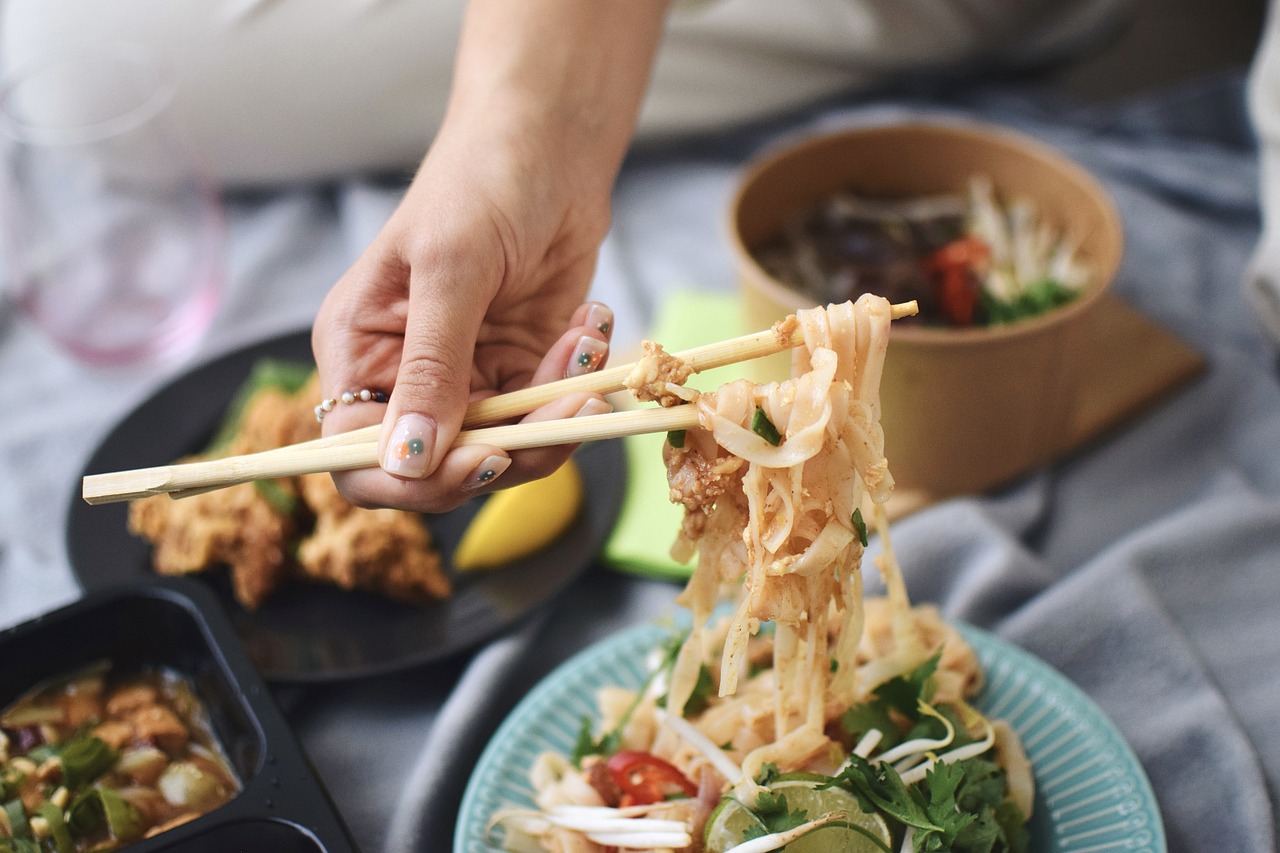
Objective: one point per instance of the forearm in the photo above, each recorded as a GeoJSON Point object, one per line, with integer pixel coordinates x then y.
{"type": "Point", "coordinates": [563, 77]}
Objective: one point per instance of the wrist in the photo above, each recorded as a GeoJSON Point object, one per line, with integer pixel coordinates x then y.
{"type": "Point", "coordinates": [562, 79]}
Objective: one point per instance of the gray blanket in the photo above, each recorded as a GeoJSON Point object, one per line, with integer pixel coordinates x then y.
{"type": "Point", "coordinates": [1145, 567]}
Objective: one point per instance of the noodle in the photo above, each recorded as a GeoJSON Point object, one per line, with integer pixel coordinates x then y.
{"type": "Point", "coordinates": [800, 563]}
{"type": "Point", "coordinates": [777, 483]}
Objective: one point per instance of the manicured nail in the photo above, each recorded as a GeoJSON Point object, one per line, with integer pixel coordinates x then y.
{"type": "Point", "coordinates": [594, 407]}
{"type": "Point", "coordinates": [486, 472]}
{"type": "Point", "coordinates": [599, 317]}
{"type": "Point", "coordinates": [409, 449]}
{"type": "Point", "coordinates": [587, 356]}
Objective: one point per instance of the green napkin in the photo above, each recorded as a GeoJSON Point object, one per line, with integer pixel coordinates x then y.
{"type": "Point", "coordinates": [648, 524]}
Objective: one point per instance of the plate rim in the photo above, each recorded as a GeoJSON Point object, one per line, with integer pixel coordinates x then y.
{"type": "Point", "coordinates": [990, 649]}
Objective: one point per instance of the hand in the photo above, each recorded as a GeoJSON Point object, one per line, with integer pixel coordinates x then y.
{"type": "Point", "coordinates": [474, 287]}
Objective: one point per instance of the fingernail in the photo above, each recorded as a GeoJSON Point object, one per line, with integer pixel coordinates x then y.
{"type": "Point", "coordinates": [486, 472]}
{"type": "Point", "coordinates": [594, 407]}
{"type": "Point", "coordinates": [587, 356]}
{"type": "Point", "coordinates": [409, 449]}
{"type": "Point", "coordinates": [599, 317]}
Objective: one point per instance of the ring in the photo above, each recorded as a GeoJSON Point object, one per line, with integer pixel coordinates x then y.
{"type": "Point", "coordinates": [364, 395]}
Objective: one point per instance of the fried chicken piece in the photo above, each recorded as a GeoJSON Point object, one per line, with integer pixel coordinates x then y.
{"type": "Point", "coordinates": [251, 527]}
{"type": "Point", "coordinates": [660, 376]}
{"type": "Point", "coordinates": [321, 496]}
{"type": "Point", "coordinates": [236, 526]}
{"type": "Point", "coordinates": [274, 419]}
{"type": "Point", "coordinates": [381, 550]}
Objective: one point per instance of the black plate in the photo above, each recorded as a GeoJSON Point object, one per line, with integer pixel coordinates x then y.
{"type": "Point", "coordinates": [176, 624]}
{"type": "Point", "coordinates": [320, 633]}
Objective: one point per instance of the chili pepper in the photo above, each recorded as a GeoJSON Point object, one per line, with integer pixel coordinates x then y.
{"type": "Point", "coordinates": [953, 267]}
{"type": "Point", "coordinates": [645, 778]}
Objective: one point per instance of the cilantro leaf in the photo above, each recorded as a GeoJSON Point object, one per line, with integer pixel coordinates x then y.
{"type": "Point", "coordinates": [772, 812]}
{"type": "Point", "coordinates": [609, 742]}
{"type": "Point", "coordinates": [880, 788]}
{"type": "Point", "coordinates": [942, 780]}
{"type": "Point", "coordinates": [866, 716]}
{"type": "Point", "coordinates": [587, 745]}
{"type": "Point", "coordinates": [768, 772]}
{"type": "Point", "coordinates": [860, 526]}
{"type": "Point", "coordinates": [703, 688]}
{"type": "Point", "coordinates": [903, 693]}
{"type": "Point", "coordinates": [1013, 826]}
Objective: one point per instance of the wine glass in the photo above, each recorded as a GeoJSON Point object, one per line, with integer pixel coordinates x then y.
{"type": "Point", "coordinates": [113, 236]}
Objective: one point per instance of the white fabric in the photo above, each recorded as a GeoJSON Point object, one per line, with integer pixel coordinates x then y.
{"type": "Point", "coordinates": [1263, 281]}
{"type": "Point", "coordinates": [279, 90]}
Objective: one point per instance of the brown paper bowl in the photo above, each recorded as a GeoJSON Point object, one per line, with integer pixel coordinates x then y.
{"type": "Point", "coordinates": [963, 410]}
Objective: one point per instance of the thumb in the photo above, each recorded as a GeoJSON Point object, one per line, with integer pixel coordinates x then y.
{"type": "Point", "coordinates": [433, 383]}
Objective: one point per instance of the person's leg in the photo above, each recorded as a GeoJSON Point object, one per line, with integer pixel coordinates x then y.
{"type": "Point", "coordinates": [275, 90]}
{"type": "Point", "coordinates": [727, 61]}
{"type": "Point", "coordinates": [280, 90]}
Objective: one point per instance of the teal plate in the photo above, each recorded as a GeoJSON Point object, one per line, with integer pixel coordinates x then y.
{"type": "Point", "coordinates": [1091, 792]}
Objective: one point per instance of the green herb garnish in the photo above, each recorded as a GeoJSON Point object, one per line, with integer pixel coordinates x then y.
{"type": "Point", "coordinates": [859, 526]}
{"type": "Point", "coordinates": [1037, 298]}
{"type": "Point", "coordinates": [763, 427]}
{"type": "Point", "coordinates": [98, 805]}
{"type": "Point", "coordinates": [609, 742]}
{"type": "Point", "coordinates": [773, 815]}
{"type": "Point", "coordinates": [675, 438]}
{"type": "Point", "coordinates": [897, 698]}
{"type": "Point", "coordinates": [85, 759]}
{"type": "Point", "coordinates": [288, 376]}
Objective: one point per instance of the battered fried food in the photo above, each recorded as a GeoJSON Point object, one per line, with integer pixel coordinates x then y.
{"type": "Point", "coordinates": [380, 550]}
{"type": "Point", "coordinates": [236, 527]}
{"type": "Point", "coordinates": [255, 529]}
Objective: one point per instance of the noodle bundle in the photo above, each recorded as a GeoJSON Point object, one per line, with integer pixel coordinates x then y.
{"type": "Point", "coordinates": [734, 720]}
{"type": "Point", "coordinates": [787, 528]}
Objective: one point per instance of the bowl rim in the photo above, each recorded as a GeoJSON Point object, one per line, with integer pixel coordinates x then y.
{"type": "Point", "coordinates": [968, 129]}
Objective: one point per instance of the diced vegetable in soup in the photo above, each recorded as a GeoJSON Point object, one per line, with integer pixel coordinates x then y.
{"type": "Point", "coordinates": [97, 760]}
{"type": "Point", "coordinates": [969, 259]}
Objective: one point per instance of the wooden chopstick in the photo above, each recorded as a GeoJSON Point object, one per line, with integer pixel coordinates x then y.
{"type": "Point", "coordinates": [359, 448]}
{"type": "Point", "coordinates": [525, 400]}
{"type": "Point", "coordinates": [191, 478]}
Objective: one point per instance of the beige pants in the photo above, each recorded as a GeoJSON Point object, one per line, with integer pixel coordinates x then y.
{"type": "Point", "coordinates": [281, 90]}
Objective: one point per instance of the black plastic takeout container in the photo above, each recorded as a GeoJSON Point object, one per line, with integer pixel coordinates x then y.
{"type": "Point", "coordinates": [177, 624]}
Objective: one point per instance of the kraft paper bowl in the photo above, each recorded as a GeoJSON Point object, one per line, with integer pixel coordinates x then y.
{"type": "Point", "coordinates": [964, 410]}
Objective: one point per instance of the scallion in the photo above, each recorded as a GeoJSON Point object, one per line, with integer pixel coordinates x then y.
{"type": "Point", "coordinates": [85, 759]}
{"type": "Point", "coordinates": [763, 427]}
{"type": "Point", "coordinates": [58, 833]}
{"type": "Point", "coordinates": [859, 526]}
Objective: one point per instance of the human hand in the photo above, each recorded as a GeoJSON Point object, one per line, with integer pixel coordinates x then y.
{"type": "Point", "coordinates": [473, 288]}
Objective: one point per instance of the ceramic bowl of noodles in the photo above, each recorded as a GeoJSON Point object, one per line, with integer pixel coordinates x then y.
{"type": "Point", "coordinates": [1007, 246]}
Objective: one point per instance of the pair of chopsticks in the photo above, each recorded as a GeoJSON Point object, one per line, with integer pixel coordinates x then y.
{"type": "Point", "coordinates": [359, 448]}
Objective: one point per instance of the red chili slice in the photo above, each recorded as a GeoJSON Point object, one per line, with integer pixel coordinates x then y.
{"type": "Point", "coordinates": [953, 267]}
{"type": "Point", "coordinates": [645, 778]}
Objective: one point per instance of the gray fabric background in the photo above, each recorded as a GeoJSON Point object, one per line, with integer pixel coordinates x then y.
{"type": "Point", "coordinates": [1145, 567]}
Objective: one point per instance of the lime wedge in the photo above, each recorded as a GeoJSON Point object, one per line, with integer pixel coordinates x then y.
{"type": "Point", "coordinates": [521, 521]}
{"type": "Point", "coordinates": [730, 823]}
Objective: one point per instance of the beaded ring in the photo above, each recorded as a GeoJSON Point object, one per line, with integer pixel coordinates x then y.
{"type": "Point", "coordinates": [364, 395]}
